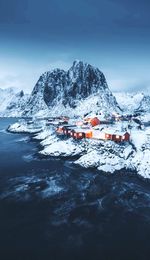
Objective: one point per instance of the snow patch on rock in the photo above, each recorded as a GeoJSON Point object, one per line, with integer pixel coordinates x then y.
{"type": "Point", "coordinates": [22, 128]}
{"type": "Point", "coordinates": [63, 148]}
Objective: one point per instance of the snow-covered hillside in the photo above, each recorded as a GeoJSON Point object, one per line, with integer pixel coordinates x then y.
{"type": "Point", "coordinates": [129, 102]}
{"type": "Point", "coordinates": [12, 103]}
{"type": "Point", "coordinates": [144, 105]}
{"type": "Point", "coordinates": [6, 96]}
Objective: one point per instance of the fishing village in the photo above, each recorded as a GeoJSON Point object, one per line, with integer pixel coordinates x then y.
{"type": "Point", "coordinates": [116, 127]}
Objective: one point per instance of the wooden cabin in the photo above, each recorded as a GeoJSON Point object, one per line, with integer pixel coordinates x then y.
{"type": "Point", "coordinates": [108, 136]}
{"type": "Point", "coordinates": [95, 121]}
{"type": "Point", "coordinates": [126, 137]}
{"type": "Point", "coordinates": [117, 136]}
{"type": "Point", "coordinates": [67, 131]}
{"type": "Point", "coordinates": [72, 133]}
{"type": "Point", "coordinates": [78, 135]}
{"type": "Point", "coordinates": [82, 133]}
{"type": "Point", "coordinates": [89, 134]}
{"type": "Point", "coordinates": [60, 130]}
{"type": "Point", "coordinates": [92, 121]}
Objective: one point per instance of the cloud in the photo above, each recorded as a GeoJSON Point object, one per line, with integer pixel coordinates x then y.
{"type": "Point", "coordinates": [128, 85]}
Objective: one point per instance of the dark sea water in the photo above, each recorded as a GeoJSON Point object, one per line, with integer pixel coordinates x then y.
{"type": "Point", "coordinates": [51, 209]}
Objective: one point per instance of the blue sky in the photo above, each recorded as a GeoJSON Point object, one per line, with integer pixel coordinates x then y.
{"type": "Point", "coordinates": [38, 35]}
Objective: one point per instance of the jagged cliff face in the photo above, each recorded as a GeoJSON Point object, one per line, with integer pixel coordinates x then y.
{"type": "Point", "coordinates": [36, 101]}
{"type": "Point", "coordinates": [60, 89]}
{"type": "Point", "coordinates": [82, 89]}
{"type": "Point", "coordinates": [55, 89]}
{"type": "Point", "coordinates": [84, 80]}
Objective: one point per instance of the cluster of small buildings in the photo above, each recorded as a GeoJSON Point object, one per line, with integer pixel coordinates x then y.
{"type": "Point", "coordinates": [94, 127]}
{"type": "Point", "coordinates": [88, 128]}
{"type": "Point", "coordinates": [57, 120]}
{"type": "Point", "coordinates": [75, 132]}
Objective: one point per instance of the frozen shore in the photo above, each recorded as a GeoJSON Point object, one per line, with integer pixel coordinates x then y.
{"type": "Point", "coordinates": [23, 127]}
{"type": "Point", "coordinates": [106, 156]}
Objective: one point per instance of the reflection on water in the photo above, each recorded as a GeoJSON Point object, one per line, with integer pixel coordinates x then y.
{"type": "Point", "coordinates": [51, 209]}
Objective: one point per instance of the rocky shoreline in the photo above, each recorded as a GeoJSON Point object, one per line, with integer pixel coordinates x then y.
{"type": "Point", "coordinates": [106, 156]}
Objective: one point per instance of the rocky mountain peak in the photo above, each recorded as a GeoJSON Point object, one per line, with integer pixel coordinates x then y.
{"type": "Point", "coordinates": [67, 88]}
{"type": "Point", "coordinates": [20, 94]}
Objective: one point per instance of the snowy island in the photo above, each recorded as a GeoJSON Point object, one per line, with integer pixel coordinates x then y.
{"type": "Point", "coordinates": [74, 114]}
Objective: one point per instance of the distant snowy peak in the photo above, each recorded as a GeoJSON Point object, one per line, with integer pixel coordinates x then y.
{"type": "Point", "coordinates": [12, 103]}
{"type": "Point", "coordinates": [129, 102]}
{"type": "Point", "coordinates": [144, 105]}
{"type": "Point", "coordinates": [133, 102]}
{"type": "Point", "coordinates": [59, 88]}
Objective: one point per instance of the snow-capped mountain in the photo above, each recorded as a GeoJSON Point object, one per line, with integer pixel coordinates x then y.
{"type": "Point", "coordinates": [6, 95]}
{"type": "Point", "coordinates": [12, 103]}
{"type": "Point", "coordinates": [144, 105]}
{"type": "Point", "coordinates": [129, 102]}
{"type": "Point", "coordinates": [79, 90]}
{"type": "Point", "coordinates": [135, 103]}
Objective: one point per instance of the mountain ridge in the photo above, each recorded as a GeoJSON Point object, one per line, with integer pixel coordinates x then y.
{"type": "Point", "coordinates": [81, 89]}
{"type": "Point", "coordinates": [68, 89]}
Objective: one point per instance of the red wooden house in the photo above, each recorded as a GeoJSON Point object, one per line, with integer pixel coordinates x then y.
{"type": "Point", "coordinates": [126, 137]}
{"type": "Point", "coordinates": [108, 136]}
{"type": "Point", "coordinates": [67, 131]}
{"type": "Point", "coordinates": [60, 130]}
{"type": "Point", "coordinates": [64, 130]}
{"type": "Point", "coordinates": [78, 135]}
{"type": "Point", "coordinates": [93, 121]}
{"type": "Point", "coordinates": [117, 136]}
{"type": "Point", "coordinates": [89, 134]}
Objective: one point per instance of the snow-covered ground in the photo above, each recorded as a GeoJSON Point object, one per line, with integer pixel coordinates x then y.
{"type": "Point", "coordinates": [129, 101]}
{"type": "Point", "coordinates": [63, 148]}
{"type": "Point", "coordinates": [44, 134]}
{"type": "Point", "coordinates": [145, 117]}
{"type": "Point", "coordinates": [106, 156]}
{"type": "Point", "coordinates": [135, 103]}
{"type": "Point", "coordinates": [109, 156]}
{"type": "Point", "coordinates": [23, 127]}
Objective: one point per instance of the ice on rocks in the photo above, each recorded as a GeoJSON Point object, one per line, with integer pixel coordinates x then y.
{"type": "Point", "coordinates": [44, 134]}
{"type": "Point", "coordinates": [23, 128]}
{"type": "Point", "coordinates": [106, 156]}
{"type": "Point", "coordinates": [63, 148]}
